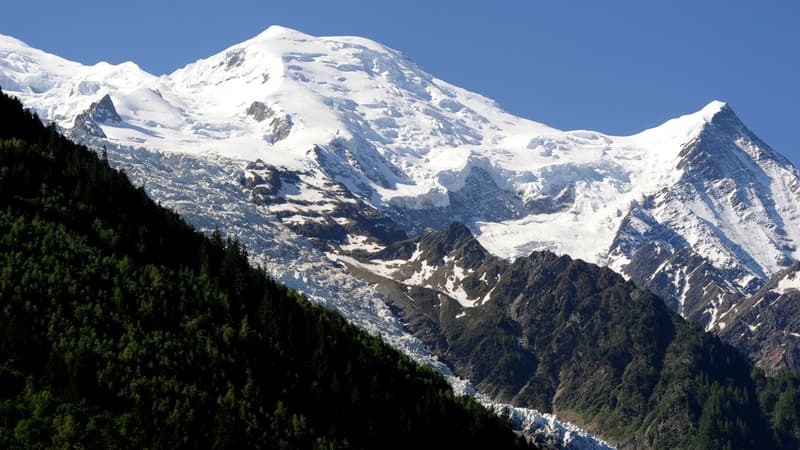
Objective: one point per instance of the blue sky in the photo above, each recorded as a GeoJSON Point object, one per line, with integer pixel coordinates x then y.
{"type": "Point", "coordinates": [613, 66]}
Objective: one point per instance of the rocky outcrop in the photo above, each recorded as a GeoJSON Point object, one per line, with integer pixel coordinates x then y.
{"type": "Point", "coordinates": [315, 207]}
{"type": "Point", "coordinates": [767, 325]}
{"type": "Point", "coordinates": [280, 125]}
{"type": "Point", "coordinates": [88, 123]}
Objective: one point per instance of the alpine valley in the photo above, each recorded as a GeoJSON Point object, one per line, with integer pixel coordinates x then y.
{"type": "Point", "coordinates": [601, 278]}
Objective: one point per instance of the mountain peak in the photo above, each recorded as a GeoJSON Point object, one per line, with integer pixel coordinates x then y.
{"type": "Point", "coordinates": [456, 236]}
{"type": "Point", "coordinates": [457, 231]}
{"type": "Point", "coordinates": [722, 115]}
{"type": "Point", "coordinates": [710, 113]}
{"type": "Point", "coordinates": [279, 31]}
{"type": "Point", "coordinates": [713, 108]}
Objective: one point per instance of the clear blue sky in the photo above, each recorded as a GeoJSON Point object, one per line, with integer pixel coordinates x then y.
{"type": "Point", "coordinates": [613, 66]}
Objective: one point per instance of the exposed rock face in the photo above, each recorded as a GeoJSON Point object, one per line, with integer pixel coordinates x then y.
{"type": "Point", "coordinates": [279, 127]}
{"type": "Point", "coordinates": [767, 325]}
{"type": "Point", "coordinates": [317, 208]}
{"type": "Point", "coordinates": [689, 283]}
{"type": "Point", "coordinates": [265, 182]}
{"type": "Point", "coordinates": [259, 111]}
{"type": "Point", "coordinates": [101, 112]}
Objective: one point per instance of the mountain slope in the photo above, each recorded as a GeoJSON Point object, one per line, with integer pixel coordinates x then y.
{"type": "Point", "coordinates": [123, 327]}
{"type": "Point", "coordinates": [767, 325]}
{"type": "Point", "coordinates": [719, 233]}
{"type": "Point", "coordinates": [562, 335]}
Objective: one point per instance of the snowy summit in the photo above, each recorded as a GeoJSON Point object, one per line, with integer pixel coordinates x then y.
{"type": "Point", "coordinates": [351, 111]}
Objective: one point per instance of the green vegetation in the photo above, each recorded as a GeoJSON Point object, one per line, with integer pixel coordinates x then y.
{"type": "Point", "coordinates": [121, 327]}
{"type": "Point", "coordinates": [569, 337]}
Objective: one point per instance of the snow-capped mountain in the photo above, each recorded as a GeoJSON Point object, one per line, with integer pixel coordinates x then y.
{"type": "Point", "coordinates": [727, 225]}
{"type": "Point", "coordinates": [349, 143]}
{"type": "Point", "coordinates": [210, 167]}
{"type": "Point", "coordinates": [426, 152]}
